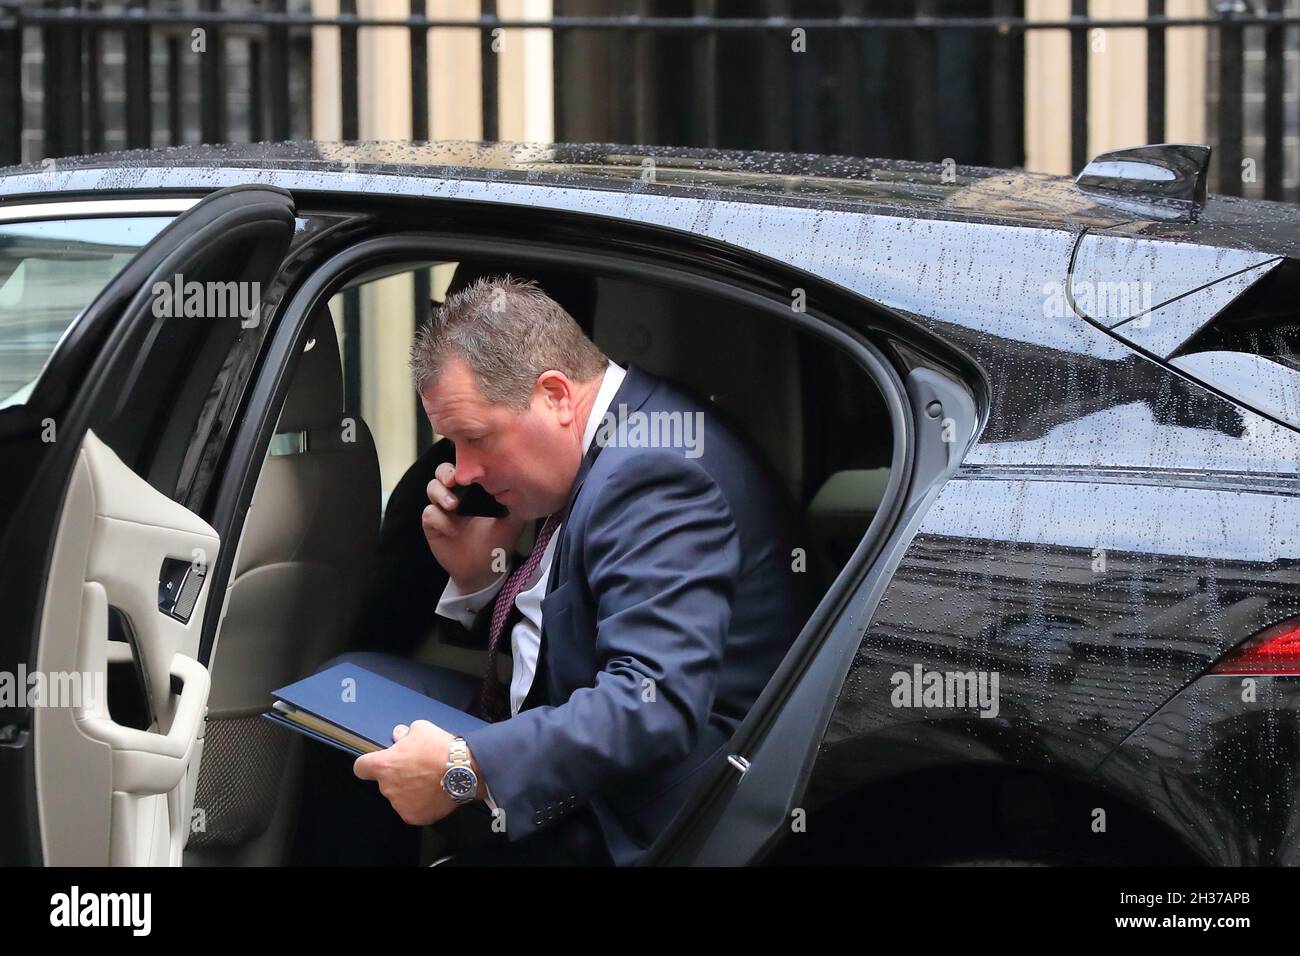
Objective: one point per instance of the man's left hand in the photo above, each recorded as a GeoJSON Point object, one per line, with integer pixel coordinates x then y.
{"type": "Point", "coordinates": [409, 773]}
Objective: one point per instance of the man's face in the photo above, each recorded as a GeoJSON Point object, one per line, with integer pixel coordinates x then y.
{"type": "Point", "coordinates": [527, 460]}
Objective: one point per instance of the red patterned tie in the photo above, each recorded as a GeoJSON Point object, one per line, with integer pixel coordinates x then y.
{"type": "Point", "coordinates": [487, 705]}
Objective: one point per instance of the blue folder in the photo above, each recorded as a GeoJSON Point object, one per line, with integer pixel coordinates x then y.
{"type": "Point", "coordinates": [359, 717]}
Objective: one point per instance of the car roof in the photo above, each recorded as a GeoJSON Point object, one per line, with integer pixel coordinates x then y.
{"type": "Point", "coordinates": [922, 190]}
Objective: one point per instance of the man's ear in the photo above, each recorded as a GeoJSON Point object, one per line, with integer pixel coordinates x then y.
{"type": "Point", "coordinates": [556, 391]}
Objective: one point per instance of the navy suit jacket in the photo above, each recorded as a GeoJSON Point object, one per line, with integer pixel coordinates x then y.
{"type": "Point", "coordinates": [671, 601]}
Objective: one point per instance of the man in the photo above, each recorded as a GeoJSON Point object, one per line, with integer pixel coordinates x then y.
{"type": "Point", "coordinates": [396, 614]}
{"type": "Point", "coordinates": [657, 600]}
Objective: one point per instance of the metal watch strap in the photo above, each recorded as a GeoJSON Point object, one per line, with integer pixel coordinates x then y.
{"type": "Point", "coordinates": [458, 759]}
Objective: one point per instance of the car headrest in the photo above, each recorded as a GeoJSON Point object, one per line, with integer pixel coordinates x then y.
{"type": "Point", "coordinates": [575, 291]}
{"type": "Point", "coordinates": [315, 398]}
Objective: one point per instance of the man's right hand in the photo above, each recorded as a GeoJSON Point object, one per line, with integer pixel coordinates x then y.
{"type": "Point", "coordinates": [465, 546]}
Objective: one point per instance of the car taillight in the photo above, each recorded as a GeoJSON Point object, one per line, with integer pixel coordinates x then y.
{"type": "Point", "coordinates": [1275, 650]}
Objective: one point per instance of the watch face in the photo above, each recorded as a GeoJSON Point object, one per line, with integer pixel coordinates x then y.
{"type": "Point", "coordinates": [460, 782]}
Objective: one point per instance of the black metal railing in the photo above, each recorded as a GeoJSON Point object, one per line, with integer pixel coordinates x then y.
{"type": "Point", "coordinates": [847, 102]}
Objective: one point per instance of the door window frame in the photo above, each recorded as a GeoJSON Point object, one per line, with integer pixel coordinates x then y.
{"type": "Point", "coordinates": [655, 259]}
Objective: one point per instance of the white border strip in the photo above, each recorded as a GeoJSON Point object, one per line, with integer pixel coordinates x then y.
{"type": "Point", "coordinates": [96, 207]}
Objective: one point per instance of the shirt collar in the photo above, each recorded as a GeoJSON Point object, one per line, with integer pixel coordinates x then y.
{"type": "Point", "coordinates": [609, 386]}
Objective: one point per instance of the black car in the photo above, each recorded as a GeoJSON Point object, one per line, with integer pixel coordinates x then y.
{"type": "Point", "coordinates": [1041, 433]}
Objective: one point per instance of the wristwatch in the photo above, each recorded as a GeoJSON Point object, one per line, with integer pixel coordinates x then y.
{"type": "Point", "coordinates": [459, 780]}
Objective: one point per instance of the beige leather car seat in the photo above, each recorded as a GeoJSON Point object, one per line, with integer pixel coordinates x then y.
{"type": "Point", "coordinates": [312, 527]}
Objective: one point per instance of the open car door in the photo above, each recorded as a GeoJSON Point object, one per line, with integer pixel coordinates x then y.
{"type": "Point", "coordinates": [103, 569]}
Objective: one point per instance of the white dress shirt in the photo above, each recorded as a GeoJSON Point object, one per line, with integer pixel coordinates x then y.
{"type": "Point", "coordinates": [526, 636]}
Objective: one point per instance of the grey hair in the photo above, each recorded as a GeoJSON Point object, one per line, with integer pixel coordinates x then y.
{"type": "Point", "coordinates": [508, 331]}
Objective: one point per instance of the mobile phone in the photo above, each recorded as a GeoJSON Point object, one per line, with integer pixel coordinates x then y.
{"type": "Point", "coordinates": [473, 501]}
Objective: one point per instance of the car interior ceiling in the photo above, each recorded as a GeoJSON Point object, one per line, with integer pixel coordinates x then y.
{"type": "Point", "coordinates": [317, 571]}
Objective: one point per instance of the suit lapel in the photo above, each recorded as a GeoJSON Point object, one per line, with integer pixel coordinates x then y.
{"type": "Point", "coordinates": [632, 394]}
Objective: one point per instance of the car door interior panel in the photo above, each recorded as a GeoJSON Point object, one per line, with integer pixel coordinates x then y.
{"type": "Point", "coordinates": [115, 535]}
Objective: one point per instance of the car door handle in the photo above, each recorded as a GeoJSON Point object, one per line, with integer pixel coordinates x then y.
{"type": "Point", "coordinates": [147, 762]}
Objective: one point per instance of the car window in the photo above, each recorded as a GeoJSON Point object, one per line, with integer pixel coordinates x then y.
{"type": "Point", "coordinates": [375, 321]}
{"type": "Point", "coordinates": [49, 272]}
{"type": "Point", "coordinates": [1251, 350]}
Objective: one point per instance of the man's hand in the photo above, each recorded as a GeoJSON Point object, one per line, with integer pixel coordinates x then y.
{"type": "Point", "coordinates": [409, 773]}
{"type": "Point", "coordinates": [464, 545]}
